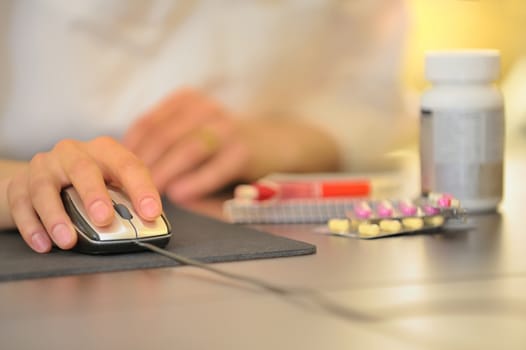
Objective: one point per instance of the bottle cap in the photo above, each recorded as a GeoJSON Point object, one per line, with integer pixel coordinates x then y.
{"type": "Point", "coordinates": [462, 65]}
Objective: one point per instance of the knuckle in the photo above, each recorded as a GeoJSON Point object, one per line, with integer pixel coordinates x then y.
{"type": "Point", "coordinates": [64, 145]}
{"type": "Point", "coordinates": [105, 141]}
{"type": "Point", "coordinates": [39, 159]}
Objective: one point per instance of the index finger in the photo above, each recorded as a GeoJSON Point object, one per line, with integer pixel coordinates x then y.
{"type": "Point", "coordinates": [122, 167]}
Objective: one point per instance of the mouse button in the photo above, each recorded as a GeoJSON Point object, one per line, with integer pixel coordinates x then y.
{"type": "Point", "coordinates": [74, 198]}
{"type": "Point", "coordinates": [117, 230]}
{"type": "Point", "coordinates": [77, 213]}
{"type": "Point", "coordinates": [84, 228]}
{"type": "Point", "coordinates": [119, 197]}
{"type": "Point", "coordinates": [150, 228]}
{"type": "Point", "coordinates": [123, 211]}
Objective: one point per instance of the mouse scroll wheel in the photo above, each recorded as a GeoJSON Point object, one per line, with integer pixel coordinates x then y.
{"type": "Point", "coordinates": [123, 211]}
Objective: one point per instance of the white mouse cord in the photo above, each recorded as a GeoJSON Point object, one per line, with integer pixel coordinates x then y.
{"type": "Point", "coordinates": [311, 295]}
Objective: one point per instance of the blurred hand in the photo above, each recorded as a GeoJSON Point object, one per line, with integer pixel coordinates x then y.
{"type": "Point", "coordinates": [191, 145]}
{"type": "Point", "coordinates": [34, 193]}
{"type": "Point", "coordinates": [194, 147]}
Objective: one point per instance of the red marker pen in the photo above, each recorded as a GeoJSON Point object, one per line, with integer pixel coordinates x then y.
{"type": "Point", "coordinates": [265, 190]}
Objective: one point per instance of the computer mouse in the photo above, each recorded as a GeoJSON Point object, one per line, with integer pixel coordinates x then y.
{"type": "Point", "coordinates": [121, 235]}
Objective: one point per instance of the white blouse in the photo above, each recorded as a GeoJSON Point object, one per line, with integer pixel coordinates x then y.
{"type": "Point", "coordinates": [79, 69]}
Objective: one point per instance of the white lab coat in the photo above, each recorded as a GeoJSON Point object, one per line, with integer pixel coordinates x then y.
{"type": "Point", "coordinates": [79, 69]}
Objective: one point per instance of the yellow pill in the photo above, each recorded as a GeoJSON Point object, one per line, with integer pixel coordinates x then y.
{"type": "Point", "coordinates": [455, 203]}
{"type": "Point", "coordinates": [413, 223]}
{"type": "Point", "coordinates": [390, 226]}
{"type": "Point", "coordinates": [368, 230]}
{"type": "Point", "coordinates": [356, 223]}
{"type": "Point", "coordinates": [338, 225]}
{"type": "Point", "coordinates": [434, 221]}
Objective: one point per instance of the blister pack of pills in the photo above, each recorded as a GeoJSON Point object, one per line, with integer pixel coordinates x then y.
{"type": "Point", "coordinates": [369, 219]}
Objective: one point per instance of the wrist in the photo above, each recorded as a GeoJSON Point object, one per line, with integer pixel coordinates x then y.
{"type": "Point", "coordinates": [8, 169]}
{"type": "Point", "coordinates": [287, 145]}
{"type": "Point", "coordinates": [6, 221]}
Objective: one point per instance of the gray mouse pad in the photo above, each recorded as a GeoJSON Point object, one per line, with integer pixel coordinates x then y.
{"type": "Point", "coordinates": [194, 236]}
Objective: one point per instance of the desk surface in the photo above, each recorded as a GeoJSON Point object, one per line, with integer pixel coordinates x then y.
{"type": "Point", "coordinates": [465, 290]}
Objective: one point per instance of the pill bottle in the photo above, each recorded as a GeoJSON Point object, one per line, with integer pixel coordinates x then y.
{"type": "Point", "coordinates": [462, 128]}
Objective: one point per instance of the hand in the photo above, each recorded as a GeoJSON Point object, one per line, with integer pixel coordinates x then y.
{"type": "Point", "coordinates": [191, 145]}
{"type": "Point", "coordinates": [194, 147]}
{"type": "Point", "coordinates": [33, 194]}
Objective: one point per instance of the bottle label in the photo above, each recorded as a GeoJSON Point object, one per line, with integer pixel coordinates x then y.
{"type": "Point", "coordinates": [462, 151]}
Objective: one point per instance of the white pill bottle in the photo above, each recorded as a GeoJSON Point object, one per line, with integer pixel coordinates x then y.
{"type": "Point", "coordinates": [462, 128]}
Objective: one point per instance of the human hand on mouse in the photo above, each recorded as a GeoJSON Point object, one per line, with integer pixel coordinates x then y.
{"type": "Point", "coordinates": [194, 146]}
{"type": "Point", "coordinates": [33, 193]}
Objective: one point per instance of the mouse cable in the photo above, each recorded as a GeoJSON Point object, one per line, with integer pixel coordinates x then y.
{"type": "Point", "coordinates": [313, 295]}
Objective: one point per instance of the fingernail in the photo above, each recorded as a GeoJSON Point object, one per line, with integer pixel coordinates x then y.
{"type": "Point", "coordinates": [62, 235]}
{"type": "Point", "coordinates": [150, 207]}
{"type": "Point", "coordinates": [99, 212]}
{"type": "Point", "coordinates": [40, 242]}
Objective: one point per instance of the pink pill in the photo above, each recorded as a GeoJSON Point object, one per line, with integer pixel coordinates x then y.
{"type": "Point", "coordinates": [362, 210]}
{"type": "Point", "coordinates": [407, 208]}
{"type": "Point", "coordinates": [430, 210]}
{"type": "Point", "coordinates": [384, 209]}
